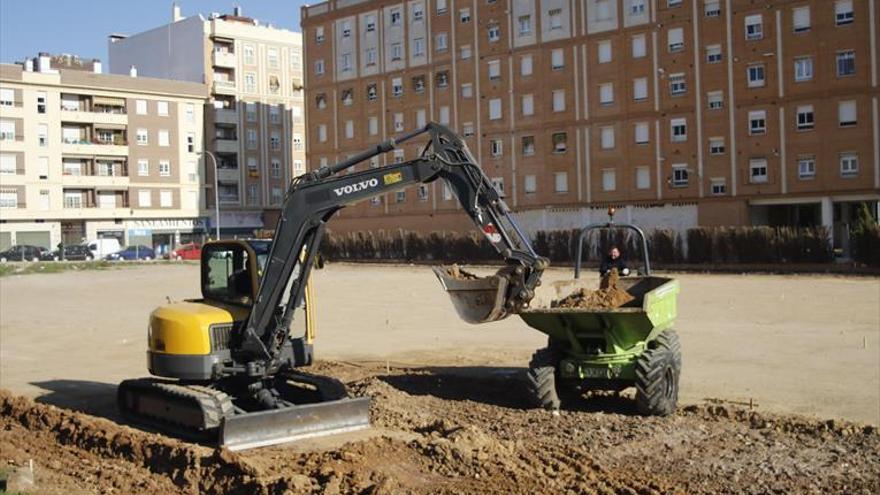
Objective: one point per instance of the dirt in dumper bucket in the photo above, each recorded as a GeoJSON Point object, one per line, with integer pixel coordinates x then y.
{"type": "Point", "coordinates": [608, 296]}
{"type": "Point", "coordinates": [459, 273]}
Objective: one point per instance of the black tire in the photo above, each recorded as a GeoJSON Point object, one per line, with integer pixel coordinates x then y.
{"type": "Point", "coordinates": [657, 375]}
{"type": "Point", "coordinates": [541, 379]}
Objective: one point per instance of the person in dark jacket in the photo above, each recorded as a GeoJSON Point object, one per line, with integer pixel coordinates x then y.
{"type": "Point", "coordinates": [614, 260]}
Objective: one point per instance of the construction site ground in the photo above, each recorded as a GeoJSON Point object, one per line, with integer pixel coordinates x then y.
{"type": "Point", "coordinates": [780, 393]}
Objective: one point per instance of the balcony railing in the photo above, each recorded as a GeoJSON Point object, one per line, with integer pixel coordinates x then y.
{"type": "Point", "coordinates": [224, 85]}
{"type": "Point", "coordinates": [224, 59]}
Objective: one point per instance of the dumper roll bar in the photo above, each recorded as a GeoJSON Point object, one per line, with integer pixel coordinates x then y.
{"type": "Point", "coordinates": [610, 224]}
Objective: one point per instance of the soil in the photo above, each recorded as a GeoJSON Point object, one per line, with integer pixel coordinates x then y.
{"type": "Point", "coordinates": [607, 296]}
{"type": "Point", "coordinates": [459, 273]}
{"type": "Point", "coordinates": [441, 431]}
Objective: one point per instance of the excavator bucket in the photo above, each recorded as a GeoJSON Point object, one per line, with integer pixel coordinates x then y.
{"type": "Point", "coordinates": [263, 428]}
{"type": "Point", "coordinates": [476, 299]}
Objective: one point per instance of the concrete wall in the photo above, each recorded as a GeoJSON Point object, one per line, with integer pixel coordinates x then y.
{"type": "Point", "coordinates": [173, 51]}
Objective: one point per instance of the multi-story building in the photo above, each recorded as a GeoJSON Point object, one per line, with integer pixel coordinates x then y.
{"type": "Point", "coordinates": [678, 112]}
{"type": "Point", "coordinates": [254, 121]}
{"type": "Point", "coordinates": [86, 155]}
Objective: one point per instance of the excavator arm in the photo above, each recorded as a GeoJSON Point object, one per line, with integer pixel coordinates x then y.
{"type": "Point", "coordinates": [313, 199]}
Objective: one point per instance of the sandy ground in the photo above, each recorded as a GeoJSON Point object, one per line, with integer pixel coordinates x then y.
{"type": "Point", "coordinates": [791, 344]}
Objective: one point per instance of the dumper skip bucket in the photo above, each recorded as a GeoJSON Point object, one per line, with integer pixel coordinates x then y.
{"type": "Point", "coordinates": [476, 299]}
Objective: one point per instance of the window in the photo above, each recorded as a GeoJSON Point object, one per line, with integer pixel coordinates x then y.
{"type": "Point", "coordinates": [495, 109]}
{"type": "Point", "coordinates": [641, 133]}
{"type": "Point", "coordinates": [346, 62]}
{"type": "Point", "coordinates": [675, 39]}
{"type": "Point", "coordinates": [494, 32]}
{"type": "Point", "coordinates": [604, 10]}
{"type": "Point", "coordinates": [525, 25]}
{"type": "Point", "coordinates": [528, 145]}
{"type": "Point", "coordinates": [444, 115]}
{"type": "Point", "coordinates": [347, 96]}
{"type": "Point", "coordinates": [467, 90]}
{"type": "Point", "coordinates": [679, 175]}
{"type": "Point", "coordinates": [716, 100]}
{"type": "Point", "coordinates": [755, 74]}
{"type": "Point", "coordinates": [643, 178]}
{"type": "Point", "coordinates": [606, 137]}
{"type": "Point", "coordinates": [162, 108]}
{"type": "Point", "coordinates": [639, 46]}
{"type": "Point", "coordinates": [164, 168]}
{"type": "Point", "coordinates": [528, 105]}
{"type": "Point", "coordinates": [557, 59]}
{"type": "Point", "coordinates": [43, 167]}
{"type": "Point", "coordinates": [275, 113]}
{"type": "Point", "coordinates": [719, 186]}
{"type": "Point", "coordinates": [322, 133]}
{"type": "Point", "coordinates": [636, 7]}
{"type": "Point", "coordinates": [496, 146]}
{"type": "Point", "coordinates": [400, 197]}
{"type": "Point", "coordinates": [252, 139]}
{"type": "Point", "coordinates": [465, 52]}
{"type": "Point", "coordinates": [396, 51]}
{"type": "Point", "coordinates": [421, 119]}
{"type": "Point", "coordinates": [422, 192]}
{"type": "Point", "coordinates": [713, 54]}
{"type": "Point", "coordinates": [673, 3]}
{"type": "Point", "coordinates": [44, 199]}
{"type": "Point", "coordinates": [757, 170]}
{"type": "Point", "coordinates": [373, 125]}
{"type": "Point", "coordinates": [678, 130]}
{"type": "Point", "coordinates": [805, 118]}
{"type": "Point", "coordinates": [464, 15]}
{"type": "Point", "coordinates": [190, 112]}
{"type": "Point", "coordinates": [398, 156]}
{"type": "Point", "coordinates": [372, 92]}
{"type": "Point", "coordinates": [806, 167]}
{"type": "Point", "coordinates": [7, 97]}
{"type": "Point", "coordinates": [525, 65]}
{"type": "Point", "coordinates": [8, 165]}
{"type": "Point", "coordinates": [606, 94]}
{"type": "Point", "coordinates": [370, 23]}
{"type": "Point", "coordinates": [276, 195]}
{"type": "Point", "coordinates": [609, 180]}
{"type": "Point", "coordinates": [275, 141]}
{"type": "Point", "coordinates": [275, 169]}
{"type": "Point", "coordinates": [319, 67]}
{"type": "Point", "coordinates": [165, 199]}
{"type": "Point", "coordinates": [494, 70]}
{"type": "Point", "coordinates": [346, 30]}
{"type": "Point", "coordinates": [397, 86]}
{"type": "Point", "coordinates": [803, 69]}
{"type": "Point", "coordinates": [140, 107]}
{"type": "Point", "coordinates": [640, 89]}
{"type": "Point", "coordinates": [72, 167]}
{"type": "Point", "coordinates": [561, 182]}
{"type": "Point", "coordinates": [757, 122]}
{"type": "Point", "coordinates": [349, 129]}
{"type": "Point", "coordinates": [716, 145]}
{"type": "Point", "coordinates": [555, 16]}
{"type": "Point", "coordinates": [846, 63]}
{"type": "Point", "coordinates": [800, 19]}
{"type": "Point", "coordinates": [442, 79]}
{"type": "Point", "coordinates": [558, 100]}
{"type": "Point", "coordinates": [164, 138]}
{"type": "Point", "coordinates": [419, 47]}
{"type": "Point", "coordinates": [440, 42]}
{"type": "Point", "coordinates": [530, 184]}
{"type": "Point", "coordinates": [843, 12]}
{"type": "Point", "coordinates": [395, 17]}
{"type": "Point", "coordinates": [250, 111]}
{"type": "Point", "coordinates": [143, 168]}
{"type": "Point", "coordinates": [398, 122]}
{"type": "Point", "coordinates": [144, 200]}
{"type": "Point", "coordinates": [712, 8]}
{"type": "Point", "coordinates": [249, 57]}
{"type": "Point", "coordinates": [298, 144]}
{"type": "Point", "coordinates": [41, 102]}
{"type": "Point", "coordinates": [560, 142]}
{"type": "Point", "coordinates": [754, 27]}
{"type": "Point", "coordinates": [441, 7]}
{"type": "Point", "coordinates": [849, 164]}
{"type": "Point", "coordinates": [418, 83]}
{"type": "Point", "coordinates": [321, 101]}
{"type": "Point", "coordinates": [604, 51]}
{"type": "Point", "coordinates": [142, 137]}
{"type": "Point", "coordinates": [847, 114]}
{"type": "Point", "coordinates": [677, 84]}
{"type": "Point", "coordinates": [42, 134]}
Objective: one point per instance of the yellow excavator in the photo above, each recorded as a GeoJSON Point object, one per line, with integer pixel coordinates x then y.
{"type": "Point", "coordinates": [228, 367]}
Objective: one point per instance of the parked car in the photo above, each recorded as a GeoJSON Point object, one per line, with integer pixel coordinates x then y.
{"type": "Point", "coordinates": [132, 253]}
{"type": "Point", "coordinates": [190, 251]}
{"type": "Point", "coordinates": [22, 252]}
{"type": "Point", "coordinates": [71, 253]}
{"type": "Point", "coordinates": [100, 248]}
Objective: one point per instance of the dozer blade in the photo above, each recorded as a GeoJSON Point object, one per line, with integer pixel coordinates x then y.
{"type": "Point", "coordinates": [476, 299]}
{"type": "Point", "coordinates": [263, 428]}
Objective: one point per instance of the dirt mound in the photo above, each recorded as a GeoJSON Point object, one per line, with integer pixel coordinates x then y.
{"type": "Point", "coordinates": [459, 273]}
{"type": "Point", "coordinates": [608, 296]}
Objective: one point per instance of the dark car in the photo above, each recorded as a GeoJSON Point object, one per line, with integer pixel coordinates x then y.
{"type": "Point", "coordinates": [71, 253]}
{"type": "Point", "coordinates": [22, 253]}
{"type": "Point", "coordinates": [132, 253]}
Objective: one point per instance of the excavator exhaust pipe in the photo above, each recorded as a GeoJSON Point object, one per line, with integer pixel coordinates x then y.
{"type": "Point", "coordinates": [476, 299]}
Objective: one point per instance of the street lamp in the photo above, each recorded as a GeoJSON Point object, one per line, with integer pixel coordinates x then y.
{"type": "Point", "coordinates": [216, 193]}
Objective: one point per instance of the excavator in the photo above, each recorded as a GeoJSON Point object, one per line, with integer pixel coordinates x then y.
{"type": "Point", "coordinates": [228, 368]}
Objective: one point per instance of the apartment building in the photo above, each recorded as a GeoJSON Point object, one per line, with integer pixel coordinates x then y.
{"type": "Point", "coordinates": [254, 120]}
{"type": "Point", "coordinates": [86, 155]}
{"type": "Point", "coordinates": [678, 112]}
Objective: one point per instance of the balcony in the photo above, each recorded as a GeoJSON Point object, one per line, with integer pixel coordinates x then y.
{"type": "Point", "coordinates": [68, 114]}
{"type": "Point", "coordinates": [85, 147]}
{"type": "Point", "coordinates": [229, 175]}
{"type": "Point", "coordinates": [226, 145]}
{"type": "Point", "coordinates": [225, 116]}
{"type": "Point", "coordinates": [224, 86]}
{"type": "Point", "coordinates": [92, 181]}
{"type": "Point", "coordinates": [224, 59]}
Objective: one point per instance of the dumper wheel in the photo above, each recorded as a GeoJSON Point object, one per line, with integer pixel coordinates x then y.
{"type": "Point", "coordinates": [657, 374]}
{"type": "Point", "coordinates": [541, 379]}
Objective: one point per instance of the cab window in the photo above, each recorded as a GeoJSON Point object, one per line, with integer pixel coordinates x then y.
{"type": "Point", "coordinates": [226, 276]}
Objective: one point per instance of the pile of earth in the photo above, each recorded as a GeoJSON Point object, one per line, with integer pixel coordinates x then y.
{"type": "Point", "coordinates": [607, 296]}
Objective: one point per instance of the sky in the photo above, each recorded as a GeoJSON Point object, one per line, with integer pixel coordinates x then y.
{"type": "Point", "coordinates": [80, 27]}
